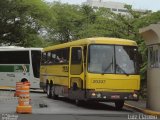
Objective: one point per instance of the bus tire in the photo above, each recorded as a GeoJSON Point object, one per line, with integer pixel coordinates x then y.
{"type": "Point", "coordinates": [119, 104]}
{"type": "Point", "coordinates": [79, 102]}
{"type": "Point", "coordinates": [54, 96]}
{"type": "Point", "coordinates": [49, 94]}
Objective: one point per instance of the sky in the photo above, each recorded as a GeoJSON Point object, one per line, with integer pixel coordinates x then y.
{"type": "Point", "coordinates": [153, 5]}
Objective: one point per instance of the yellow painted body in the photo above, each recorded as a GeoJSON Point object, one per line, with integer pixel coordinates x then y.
{"type": "Point", "coordinates": [111, 83]}
{"type": "Point", "coordinates": [55, 73]}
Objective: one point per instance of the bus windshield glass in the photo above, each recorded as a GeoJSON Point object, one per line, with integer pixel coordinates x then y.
{"type": "Point", "coordinates": [113, 59]}
{"type": "Point", "coordinates": [36, 56]}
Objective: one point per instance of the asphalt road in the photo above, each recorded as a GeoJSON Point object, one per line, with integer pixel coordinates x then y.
{"type": "Point", "coordinates": [62, 109]}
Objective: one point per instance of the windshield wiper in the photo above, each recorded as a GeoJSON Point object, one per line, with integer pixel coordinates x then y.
{"type": "Point", "coordinates": [107, 68]}
{"type": "Point", "coordinates": [122, 70]}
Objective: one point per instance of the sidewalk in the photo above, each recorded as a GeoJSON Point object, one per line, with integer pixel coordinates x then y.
{"type": "Point", "coordinates": [141, 107]}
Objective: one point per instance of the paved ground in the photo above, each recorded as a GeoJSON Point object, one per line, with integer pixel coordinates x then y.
{"type": "Point", "coordinates": [140, 103]}
{"type": "Point", "coordinates": [62, 109]}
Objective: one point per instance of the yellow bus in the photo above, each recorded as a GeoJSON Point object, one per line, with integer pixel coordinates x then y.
{"type": "Point", "coordinates": [92, 69]}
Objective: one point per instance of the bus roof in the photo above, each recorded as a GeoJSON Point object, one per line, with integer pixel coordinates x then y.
{"type": "Point", "coordinates": [95, 40]}
{"type": "Point", "coordinates": [15, 48]}
{"type": "Point", "coordinates": [9, 47]}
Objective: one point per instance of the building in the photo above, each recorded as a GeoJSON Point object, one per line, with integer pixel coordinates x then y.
{"type": "Point", "coordinates": [151, 35]}
{"type": "Point", "coordinates": [116, 7]}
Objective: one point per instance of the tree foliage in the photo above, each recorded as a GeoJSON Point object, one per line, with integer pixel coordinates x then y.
{"type": "Point", "coordinates": [21, 20]}
{"type": "Point", "coordinates": [37, 23]}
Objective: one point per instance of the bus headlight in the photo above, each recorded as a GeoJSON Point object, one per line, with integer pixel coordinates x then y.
{"type": "Point", "coordinates": [135, 95]}
{"type": "Point", "coordinates": [93, 94]}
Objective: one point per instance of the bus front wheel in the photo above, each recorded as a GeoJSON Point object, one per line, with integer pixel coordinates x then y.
{"type": "Point", "coordinates": [79, 102]}
{"type": "Point", "coordinates": [119, 104]}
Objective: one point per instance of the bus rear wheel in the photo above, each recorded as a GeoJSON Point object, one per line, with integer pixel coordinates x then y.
{"type": "Point", "coordinates": [54, 96]}
{"type": "Point", "coordinates": [49, 94]}
{"type": "Point", "coordinates": [119, 104]}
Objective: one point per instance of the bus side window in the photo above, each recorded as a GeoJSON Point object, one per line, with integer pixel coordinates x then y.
{"type": "Point", "coordinates": [48, 61]}
{"type": "Point", "coordinates": [60, 56]}
{"type": "Point", "coordinates": [65, 55]}
{"type": "Point", "coordinates": [57, 56]}
{"type": "Point", "coordinates": [76, 55]}
{"type": "Point", "coordinates": [53, 57]}
{"type": "Point", "coordinates": [44, 56]}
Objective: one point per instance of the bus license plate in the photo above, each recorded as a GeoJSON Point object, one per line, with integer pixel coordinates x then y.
{"type": "Point", "coordinates": [115, 97]}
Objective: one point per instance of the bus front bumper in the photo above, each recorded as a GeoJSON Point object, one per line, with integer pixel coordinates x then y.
{"type": "Point", "coordinates": [111, 96]}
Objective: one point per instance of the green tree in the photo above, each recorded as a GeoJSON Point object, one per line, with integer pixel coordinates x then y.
{"type": "Point", "coordinates": [66, 22]}
{"type": "Point", "coordinates": [22, 20]}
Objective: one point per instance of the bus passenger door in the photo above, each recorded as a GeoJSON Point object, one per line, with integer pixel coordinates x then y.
{"type": "Point", "coordinates": [76, 73]}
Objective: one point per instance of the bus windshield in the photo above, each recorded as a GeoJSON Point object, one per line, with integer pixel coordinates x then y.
{"type": "Point", "coordinates": [113, 59]}
{"type": "Point", "coordinates": [36, 56]}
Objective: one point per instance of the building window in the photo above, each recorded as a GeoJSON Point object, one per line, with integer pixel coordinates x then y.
{"type": "Point", "coordinates": [114, 9]}
{"type": "Point", "coordinates": [154, 56]}
{"type": "Point", "coordinates": [95, 7]}
{"type": "Point", "coordinates": [122, 10]}
{"type": "Point", "coordinates": [108, 8]}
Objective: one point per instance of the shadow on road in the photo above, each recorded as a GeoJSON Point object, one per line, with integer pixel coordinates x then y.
{"type": "Point", "coordinates": [94, 105]}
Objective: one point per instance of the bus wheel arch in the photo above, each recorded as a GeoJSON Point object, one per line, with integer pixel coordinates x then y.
{"type": "Point", "coordinates": [75, 86]}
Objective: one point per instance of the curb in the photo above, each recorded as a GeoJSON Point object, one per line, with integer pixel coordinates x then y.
{"type": "Point", "coordinates": [13, 89]}
{"type": "Point", "coordinates": [145, 111]}
{"type": "Point", "coordinates": [36, 91]}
